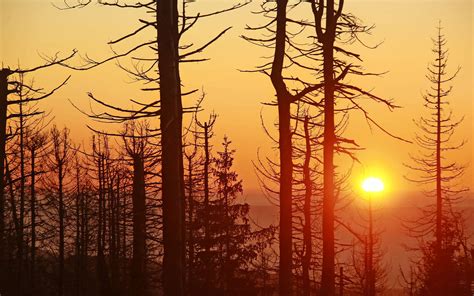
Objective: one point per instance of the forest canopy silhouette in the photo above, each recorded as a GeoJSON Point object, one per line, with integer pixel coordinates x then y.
{"type": "Point", "coordinates": [198, 147]}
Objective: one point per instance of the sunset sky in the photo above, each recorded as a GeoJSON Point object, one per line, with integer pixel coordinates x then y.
{"type": "Point", "coordinates": [32, 27]}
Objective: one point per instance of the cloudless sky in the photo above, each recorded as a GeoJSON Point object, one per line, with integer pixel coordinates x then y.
{"type": "Point", "coordinates": [29, 28]}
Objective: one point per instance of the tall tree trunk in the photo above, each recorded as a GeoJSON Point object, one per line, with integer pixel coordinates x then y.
{"type": "Point", "coordinates": [138, 273]}
{"type": "Point", "coordinates": [61, 230]}
{"type": "Point", "coordinates": [118, 238]}
{"type": "Point", "coordinates": [439, 196]}
{"type": "Point", "coordinates": [207, 236]}
{"type": "Point", "coordinates": [328, 268]}
{"type": "Point", "coordinates": [16, 221]}
{"type": "Point", "coordinates": [227, 264]}
{"type": "Point", "coordinates": [285, 145]}
{"type": "Point", "coordinates": [85, 241]}
{"type": "Point", "coordinates": [78, 242]}
{"type": "Point", "coordinates": [286, 180]}
{"type": "Point", "coordinates": [307, 212]}
{"type": "Point", "coordinates": [124, 239]}
{"type": "Point", "coordinates": [113, 255]}
{"type": "Point", "coordinates": [104, 284]}
{"type": "Point", "coordinates": [370, 263]}
{"type": "Point", "coordinates": [21, 255]}
{"type": "Point", "coordinates": [33, 222]}
{"type": "Point", "coordinates": [171, 141]}
{"type": "Point", "coordinates": [4, 73]}
{"type": "Point", "coordinates": [191, 227]}
{"type": "Point", "coordinates": [12, 278]}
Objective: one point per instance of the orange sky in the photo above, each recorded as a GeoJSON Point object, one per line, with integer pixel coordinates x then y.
{"type": "Point", "coordinates": [29, 27]}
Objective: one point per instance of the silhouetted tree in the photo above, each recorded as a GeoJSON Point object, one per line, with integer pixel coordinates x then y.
{"type": "Point", "coordinates": [170, 25]}
{"type": "Point", "coordinates": [307, 200]}
{"type": "Point", "coordinates": [228, 189]}
{"type": "Point", "coordinates": [334, 28]}
{"type": "Point", "coordinates": [280, 41]}
{"type": "Point", "coordinates": [101, 158]}
{"type": "Point", "coordinates": [35, 144]}
{"type": "Point", "coordinates": [206, 206]}
{"type": "Point", "coordinates": [194, 189]}
{"type": "Point", "coordinates": [307, 233]}
{"type": "Point", "coordinates": [367, 271]}
{"type": "Point", "coordinates": [82, 199]}
{"type": "Point", "coordinates": [60, 161]}
{"type": "Point", "coordinates": [14, 92]}
{"type": "Point", "coordinates": [141, 152]}
{"type": "Point", "coordinates": [444, 264]}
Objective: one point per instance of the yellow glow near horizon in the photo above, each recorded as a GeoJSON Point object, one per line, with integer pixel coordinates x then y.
{"type": "Point", "coordinates": [373, 184]}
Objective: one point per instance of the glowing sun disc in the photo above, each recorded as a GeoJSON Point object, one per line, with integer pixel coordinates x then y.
{"type": "Point", "coordinates": [372, 184]}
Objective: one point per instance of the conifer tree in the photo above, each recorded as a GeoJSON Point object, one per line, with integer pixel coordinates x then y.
{"type": "Point", "coordinates": [445, 257]}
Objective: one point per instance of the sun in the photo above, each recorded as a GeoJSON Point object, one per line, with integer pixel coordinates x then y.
{"type": "Point", "coordinates": [372, 184]}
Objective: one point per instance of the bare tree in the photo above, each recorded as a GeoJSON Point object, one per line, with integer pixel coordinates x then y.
{"type": "Point", "coordinates": [11, 85]}
{"type": "Point", "coordinates": [439, 271]}
{"type": "Point", "coordinates": [135, 140]}
{"type": "Point", "coordinates": [194, 187]}
{"type": "Point", "coordinates": [334, 28]}
{"type": "Point", "coordinates": [170, 25]}
{"type": "Point", "coordinates": [308, 245]}
{"type": "Point", "coordinates": [280, 41]}
{"type": "Point", "coordinates": [206, 136]}
{"type": "Point", "coordinates": [59, 164]}
{"type": "Point", "coordinates": [35, 143]}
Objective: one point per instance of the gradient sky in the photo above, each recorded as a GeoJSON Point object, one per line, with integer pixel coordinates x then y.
{"type": "Point", "coordinates": [32, 27]}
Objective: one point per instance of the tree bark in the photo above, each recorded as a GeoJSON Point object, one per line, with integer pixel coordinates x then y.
{"type": "Point", "coordinates": [104, 283]}
{"type": "Point", "coordinates": [33, 222]}
{"type": "Point", "coordinates": [286, 180]}
{"type": "Point", "coordinates": [4, 73]}
{"type": "Point", "coordinates": [138, 272]}
{"type": "Point", "coordinates": [328, 268]}
{"type": "Point", "coordinates": [171, 142]}
{"type": "Point", "coordinates": [307, 212]}
{"type": "Point", "coordinates": [285, 145]}
{"type": "Point", "coordinates": [439, 196]}
{"type": "Point", "coordinates": [21, 255]}
{"type": "Point", "coordinates": [207, 235]}
{"type": "Point", "coordinates": [370, 261]}
{"type": "Point", "coordinates": [61, 232]}
{"type": "Point", "coordinates": [191, 251]}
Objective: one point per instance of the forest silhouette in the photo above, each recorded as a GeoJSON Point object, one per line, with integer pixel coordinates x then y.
{"type": "Point", "coordinates": [153, 203]}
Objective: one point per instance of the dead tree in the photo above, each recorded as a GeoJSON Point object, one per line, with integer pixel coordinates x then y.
{"type": "Point", "coordinates": [307, 197]}
{"type": "Point", "coordinates": [10, 86]}
{"type": "Point", "coordinates": [24, 117]}
{"type": "Point", "coordinates": [81, 221]}
{"type": "Point", "coordinates": [170, 25]}
{"type": "Point", "coordinates": [59, 162]}
{"type": "Point", "coordinates": [206, 136]}
{"type": "Point", "coordinates": [171, 145]}
{"type": "Point", "coordinates": [432, 168]}
{"type": "Point", "coordinates": [334, 27]}
{"type": "Point", "coordinates": [279, 41]}
{"type": "Point", "coordinates": [367, 274]}
{"type": "Point", "coordinates": [35, 144]}
{"type": "Point", "coordinates": [142, 155]}
{"type": "Point", "coordinates": [307, 233]}
{"type": "Point", "coordinates": [194, 188]}
{"type": "Point", "coordinates": [135, 141]}
{"type": "Point", "coordinates": [101, 158]}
